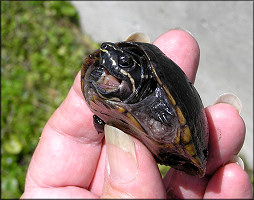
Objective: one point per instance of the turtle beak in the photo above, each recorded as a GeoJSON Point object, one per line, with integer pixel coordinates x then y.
{"type": "Point", "coordinates": [111, 85]}
{"type": "Point", "coordinates": [108, 82]}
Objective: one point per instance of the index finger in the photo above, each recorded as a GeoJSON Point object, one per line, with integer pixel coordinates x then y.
{"type": "Point", "coordinates": [182, 48]}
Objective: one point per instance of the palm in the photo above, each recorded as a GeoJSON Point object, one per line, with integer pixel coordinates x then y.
{"type": "Point", "coordinates": [70, 158]}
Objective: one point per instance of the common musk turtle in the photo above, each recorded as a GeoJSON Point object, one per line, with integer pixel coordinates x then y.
{"type": "Point", "coordinates": [135, 87]}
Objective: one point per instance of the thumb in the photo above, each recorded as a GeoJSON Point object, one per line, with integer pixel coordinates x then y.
{"type": "Point", "coordinates": [131, 171]}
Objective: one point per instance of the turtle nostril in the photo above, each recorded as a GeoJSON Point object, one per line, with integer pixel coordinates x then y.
{"type": "Point", "coordinates": [104, 45]}
{"type": "Point", "coordinates": [107, 45]}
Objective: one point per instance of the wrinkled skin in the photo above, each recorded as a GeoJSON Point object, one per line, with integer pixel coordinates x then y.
{"type": "Point", "coordinates": [69, 161]}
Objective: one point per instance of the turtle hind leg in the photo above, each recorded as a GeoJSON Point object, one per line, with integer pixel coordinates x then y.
{"type": "Point", "coordinates": [98, 124]}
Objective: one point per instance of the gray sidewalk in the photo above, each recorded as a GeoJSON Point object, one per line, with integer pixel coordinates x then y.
{"type": "Point", "coordinates": [224, 31]}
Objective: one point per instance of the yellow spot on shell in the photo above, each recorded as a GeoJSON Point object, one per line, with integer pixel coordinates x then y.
{"type": "Point", "coordinates": [155, 74]}
{"type": "Point", "coordinates": [170, 146]}
{"type": "Point", "coordinates": [190, 149]}
{"type": "Point", "coordinates": [159, 81]}
{"type": "Point", "coordinates": [171, 99]}
{"type": "Point", "coordinates": [196, 160]}
{"type": "Point", "coordinates": [92, 103]}
{"type": "Point", "coordinates": [177, 138]}
{"type": "Point", "coordinates": [181, 151]}
{"type": "Point", "coordinates": [120, 109]}
{"type": "Point", "coordinates": [95, 98]}
{"type": "Point", "coordinates": [181, 118]}
{"type": "Point", "coordinates": [134, 121]}
{"type": "Point", "coordinates": [186, 135]}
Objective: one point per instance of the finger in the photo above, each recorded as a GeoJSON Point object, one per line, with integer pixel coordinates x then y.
{"type": "Point", "coordinates": [73, 117]}
{"type": "Point", "coordinates": [69, 147]}
{"type": "Point", "coordinates": [96, 186]}
{"type": "Point", "coordinates": [227, 133]}
{"type": "Point", "coordinates": [225, 125]}
{"type": "Point", "coordinates": [131, 171]}
{"type": "Point", "coordinates": [229, 182]}
{"type": "Point", "coordinates": [182, 48]}
{"type": "Point", "coordinates": [180, 185]}
{"type": "Point", "coordinates": [67, 192]}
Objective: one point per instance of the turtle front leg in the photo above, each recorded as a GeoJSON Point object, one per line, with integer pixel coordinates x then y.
{"type": "Point", "coordinates": [98, 124]}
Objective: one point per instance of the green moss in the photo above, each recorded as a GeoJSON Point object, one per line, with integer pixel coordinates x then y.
{"type": "Point", "coordinates": [42, 51]}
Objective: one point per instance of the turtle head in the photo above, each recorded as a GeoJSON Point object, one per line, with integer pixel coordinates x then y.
{"type": "Point", "coordinates": [119, 73]}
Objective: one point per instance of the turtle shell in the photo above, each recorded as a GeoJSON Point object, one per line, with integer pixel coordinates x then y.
{"type": "Point", "coordinates": [135, 87]}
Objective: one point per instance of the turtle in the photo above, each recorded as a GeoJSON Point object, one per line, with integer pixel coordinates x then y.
{"type": "Point", "coordinates": [133, 86]}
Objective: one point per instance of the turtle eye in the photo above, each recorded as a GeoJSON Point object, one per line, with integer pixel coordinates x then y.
{"type": "Point", "coordinates": [125, 61]}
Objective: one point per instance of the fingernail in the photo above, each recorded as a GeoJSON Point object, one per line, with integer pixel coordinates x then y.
{"type": "Point", "coordinates": [121, 155]}
{"type": "Point", "coordinates": [236, 159]}
{"type": "Point", "coordinates": [138, 37]}
{"type": "Point", "coordinates": [231, 99]}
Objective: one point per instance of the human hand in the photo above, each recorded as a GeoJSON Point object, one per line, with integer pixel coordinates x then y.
{"type": "Point", "coordinates": [71, 160]}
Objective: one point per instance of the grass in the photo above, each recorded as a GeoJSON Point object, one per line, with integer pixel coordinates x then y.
{"type": "Point", "coordinates": [42, 50]}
